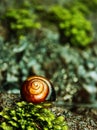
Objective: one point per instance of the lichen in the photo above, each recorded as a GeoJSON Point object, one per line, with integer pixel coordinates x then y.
{"type": "Point", "coordinates": [27, 116]}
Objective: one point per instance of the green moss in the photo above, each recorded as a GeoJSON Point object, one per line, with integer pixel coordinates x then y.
{"type": "Point", "coordinates": [20, 19]}
{"type": "Point", "coordinates": [73, 25]}
{"type": "Point", "coordinates": [27, 116]}
{"type": "Point", "coordinates": [91, 5]}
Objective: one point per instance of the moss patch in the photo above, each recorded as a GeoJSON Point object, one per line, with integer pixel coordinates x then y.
{"type": "Point", "coordinates": [27, 116]}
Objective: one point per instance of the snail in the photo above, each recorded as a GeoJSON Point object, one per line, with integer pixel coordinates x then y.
{"type": "Point", "coordinates": [37, 89]}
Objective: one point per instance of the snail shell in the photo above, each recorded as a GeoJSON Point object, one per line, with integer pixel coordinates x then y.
{"type": "Point", "coordinates": [37, 89]}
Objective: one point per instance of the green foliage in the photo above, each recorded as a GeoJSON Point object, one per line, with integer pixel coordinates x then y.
{"type": "Point", "coordinates": [78, 5]}
{"type": "Point", "coordinates": [73, 25]}
{"type": "Point", "coordinates": [27, 116]}
{"type": "Point", "coordinates": [92, 5]}
{"type": "Point", "coordinates": [20, 19]}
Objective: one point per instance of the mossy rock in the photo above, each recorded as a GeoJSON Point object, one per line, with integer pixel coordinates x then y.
{"type": "Point", "coordinates": [27, 116]}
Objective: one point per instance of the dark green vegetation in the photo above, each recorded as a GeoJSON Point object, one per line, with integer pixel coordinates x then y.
{"type": "Point", "coordinates": [26, 116]}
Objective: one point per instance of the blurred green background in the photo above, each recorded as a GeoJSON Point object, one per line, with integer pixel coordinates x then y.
{"type": "Point", "coordinates": [55, 39]}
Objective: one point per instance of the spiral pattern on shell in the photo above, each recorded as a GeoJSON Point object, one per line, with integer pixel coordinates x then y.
{"type": "Point", "coordinates": [37, 89]}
